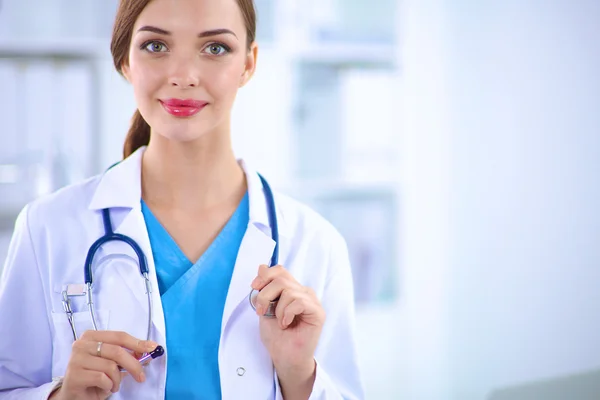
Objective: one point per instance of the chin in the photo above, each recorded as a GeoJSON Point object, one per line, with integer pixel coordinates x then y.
{"type": "Point", "coordinates": [184, 137]}
{"type": "Point", "coordinates": [183, 131]}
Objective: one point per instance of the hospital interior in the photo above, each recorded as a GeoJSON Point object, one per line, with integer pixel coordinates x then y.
{"type": "Point", "coordinates": [455, 146]}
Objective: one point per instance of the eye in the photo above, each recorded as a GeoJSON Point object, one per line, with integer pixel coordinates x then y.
{"type": "Point", "coordinates": [154, 47]}
{"type": "Point", "coordinates": [217, 49]}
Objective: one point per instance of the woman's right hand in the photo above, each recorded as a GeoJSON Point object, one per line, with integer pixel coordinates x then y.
{"type": "Point", "coordinates": [93, 375]}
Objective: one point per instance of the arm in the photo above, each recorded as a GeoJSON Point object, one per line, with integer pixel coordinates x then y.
{"type": "Point", "coordinates": [26, 342]}
{"type": "Point", "coordinates": [336, 375]}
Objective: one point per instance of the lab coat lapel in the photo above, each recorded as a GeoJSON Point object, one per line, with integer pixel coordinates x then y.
{"type": "Point", "coordinates": [256, 249]}
{"type": "Point", "coordinates": [131, 288]}
{"type": "Point", "coordinates": [134, 226]}
{"type": "Point", "coordinates": [120, 191]}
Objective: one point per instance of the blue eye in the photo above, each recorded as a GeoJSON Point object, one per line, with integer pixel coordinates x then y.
{"type": "Point", "coordinates": [217, 49]}
{"type": "Point", "coordinates": [154, 47]}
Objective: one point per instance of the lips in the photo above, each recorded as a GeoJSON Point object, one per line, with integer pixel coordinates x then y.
{"type": "Point", "coordinates": [183, 107]}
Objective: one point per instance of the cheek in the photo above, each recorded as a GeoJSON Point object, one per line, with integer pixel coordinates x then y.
{"type": "Point", "coordinates": [225, 82]}
{"type": "Point", "coordinates": [144, 79]}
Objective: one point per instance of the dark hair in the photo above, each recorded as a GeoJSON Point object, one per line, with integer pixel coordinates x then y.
{"type": "Point", "coordinates": [127, 13]}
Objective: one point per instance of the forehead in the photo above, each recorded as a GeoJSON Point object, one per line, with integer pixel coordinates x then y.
{"type": "Point", "coordinates": [193, 16]}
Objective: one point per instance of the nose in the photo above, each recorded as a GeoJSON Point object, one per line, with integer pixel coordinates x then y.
{"type": "Point", "coordinates": [184, 73]}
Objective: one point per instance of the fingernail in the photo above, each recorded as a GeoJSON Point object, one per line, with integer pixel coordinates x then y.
{"type": "Point", "coordinates": [142, 377]}
{"type": "Point", "coordinates": [150, 345]}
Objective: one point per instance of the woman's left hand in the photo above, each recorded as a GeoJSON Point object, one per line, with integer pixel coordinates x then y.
{"type": "Point", "coordinates": [292, 337]}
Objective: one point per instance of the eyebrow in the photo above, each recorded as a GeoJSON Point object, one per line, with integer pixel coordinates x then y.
{"type": "Point", "coordinates": [212, 32]}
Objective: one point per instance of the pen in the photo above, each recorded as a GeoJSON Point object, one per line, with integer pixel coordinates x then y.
{"type": "Point", "coordinates": [157, 352]}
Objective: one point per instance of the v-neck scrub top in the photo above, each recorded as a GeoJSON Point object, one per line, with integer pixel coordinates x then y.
{"type": "Point", "coordinates": [193, 298]}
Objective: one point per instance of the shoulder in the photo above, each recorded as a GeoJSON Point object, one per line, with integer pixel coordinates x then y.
{"type": "Point", "coordinates": [54, 223]}
{"type": "Point", "coordinates": [66, 203]}
{"type": "Point", "coordinates": [294, 213]}
{"type": "Point", "coordinates": [301, 223]}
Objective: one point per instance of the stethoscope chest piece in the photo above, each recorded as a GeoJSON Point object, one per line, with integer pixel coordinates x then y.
{"type": "Point", "coordinates": [272, 304]}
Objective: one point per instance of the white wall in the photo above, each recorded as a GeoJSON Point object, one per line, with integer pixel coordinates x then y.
{"type": "Point", "coordinates": [261, 118]}
{"type": "Point", "coordinates": [117, 106]}
{"type": "Point", "coordinates": [425, 152]}
{"type": "Point", "coordinates": [502, 149]}
{"type": "Point", "coordinates": [525, 302]}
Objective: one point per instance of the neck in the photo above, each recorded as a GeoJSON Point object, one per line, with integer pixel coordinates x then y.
{"type": "Point", "coordinates": [191, 176]}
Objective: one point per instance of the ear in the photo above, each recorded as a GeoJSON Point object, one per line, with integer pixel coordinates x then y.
{"type": "Point", "coordinates": [250, 65]}
{"type": "Point", "coordinates": [125, 71]}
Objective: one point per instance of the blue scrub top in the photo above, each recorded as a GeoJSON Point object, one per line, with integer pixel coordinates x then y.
{"type": "Point", "coordinates": [193, 298]}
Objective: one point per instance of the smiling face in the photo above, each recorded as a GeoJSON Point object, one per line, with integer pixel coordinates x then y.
{"type": "Point", "coordinates": [186, 61]}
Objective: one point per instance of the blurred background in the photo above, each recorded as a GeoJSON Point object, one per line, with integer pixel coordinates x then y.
{"type": "Point", "coordinates": [456, 146]}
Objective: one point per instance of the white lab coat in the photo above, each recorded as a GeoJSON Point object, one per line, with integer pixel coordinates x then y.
{"type": "Point", "coordinates": [47, 252]}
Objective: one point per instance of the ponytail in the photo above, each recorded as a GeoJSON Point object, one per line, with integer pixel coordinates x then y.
{"type": "Point", "coordinates": [138, 135]}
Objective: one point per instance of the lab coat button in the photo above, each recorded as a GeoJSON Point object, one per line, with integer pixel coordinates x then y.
{"type": "Point", "coordinates": [241, 371]}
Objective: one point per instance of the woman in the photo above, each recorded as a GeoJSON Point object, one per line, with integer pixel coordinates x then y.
{"type": "Point", "coordinates": [202, 220]}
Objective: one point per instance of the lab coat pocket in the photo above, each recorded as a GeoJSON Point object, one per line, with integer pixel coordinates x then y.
{"type": "Point", "coordinates": [63, 335]}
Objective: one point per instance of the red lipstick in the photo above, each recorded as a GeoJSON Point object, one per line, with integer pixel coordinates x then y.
{"type": "Point", "coordinates": [183, 108]}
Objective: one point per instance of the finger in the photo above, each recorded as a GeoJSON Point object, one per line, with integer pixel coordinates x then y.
{"type": "Point", "coordinates": [266, 275]}
{"type": "Point", "coordinates": [300, 306]}
{"type": "Point", "coordinates": [118, 355]}
{"type": "Point", "coordinates": [137, 356]}
{"type": "Point", "coordinates": [272, 292]}
{"type": "Point", "coordinates": [109, 368]}
{"type": "Point", "coordinates": [286, 298]}
{"type": "Point", "coordinates": [119, 338]}
{"type": "Point", "coordinates": [89, 379]}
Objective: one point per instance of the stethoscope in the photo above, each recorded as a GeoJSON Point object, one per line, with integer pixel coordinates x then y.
{"type": "Point", "coordinates": [111, 236]}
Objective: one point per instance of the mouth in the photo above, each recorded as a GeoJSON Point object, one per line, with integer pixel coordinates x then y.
{"type": "Point", "coordinates": [183, 107]}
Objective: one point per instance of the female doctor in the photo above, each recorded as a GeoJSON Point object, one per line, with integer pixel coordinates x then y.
{"type": "Point", "coordinates": [204, 225]}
